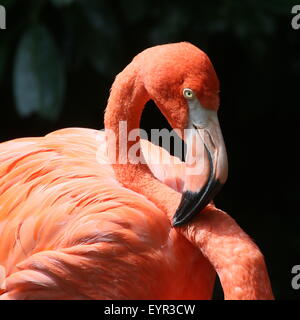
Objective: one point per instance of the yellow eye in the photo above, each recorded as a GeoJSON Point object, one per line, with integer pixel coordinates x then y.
{"type": "Point", "coordinates": [188, 93]}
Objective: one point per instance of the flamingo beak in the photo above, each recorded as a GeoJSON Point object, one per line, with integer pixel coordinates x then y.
{"type": "Point", "coordinates": [206, 162]}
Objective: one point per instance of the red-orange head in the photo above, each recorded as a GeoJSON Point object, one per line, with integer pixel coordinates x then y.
{"type": "Point", "coordinates": [167, 70]}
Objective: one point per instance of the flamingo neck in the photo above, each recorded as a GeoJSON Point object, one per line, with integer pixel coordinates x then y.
{"type": "Point", "coordinates": [235, 257]}
{"type": "Point", "coordinates": [123, 113]}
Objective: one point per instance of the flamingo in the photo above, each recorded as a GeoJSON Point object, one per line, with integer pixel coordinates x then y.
{"type": "Point", "coordinates": [76, 225]}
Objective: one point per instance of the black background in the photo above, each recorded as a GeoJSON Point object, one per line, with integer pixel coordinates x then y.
{"type": "Point", "coordinates": [256, 54]}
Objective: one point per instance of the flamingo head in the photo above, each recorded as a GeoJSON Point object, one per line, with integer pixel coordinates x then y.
{"type": "Point", "coordinates": [181, 80]}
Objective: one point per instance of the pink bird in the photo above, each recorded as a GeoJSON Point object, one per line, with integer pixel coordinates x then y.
{"type": "Point", "coordinates": [74, 224]}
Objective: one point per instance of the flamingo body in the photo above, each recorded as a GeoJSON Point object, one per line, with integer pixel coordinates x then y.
{"type": "Point", "coordinates": [71, 236]}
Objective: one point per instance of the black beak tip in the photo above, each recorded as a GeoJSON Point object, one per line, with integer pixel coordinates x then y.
{"type": "Point", "coordinates": [185, 211]}
{"type": "Point", "coordinates": [194, 202]}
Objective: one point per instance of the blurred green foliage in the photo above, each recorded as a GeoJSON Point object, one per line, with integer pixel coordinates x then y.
{"type": "Point", "coordinates": [38, 84]}
{"type": "Point", "coordinates": [48, 38]}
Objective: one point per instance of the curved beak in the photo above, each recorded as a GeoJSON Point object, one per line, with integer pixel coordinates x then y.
{"type": "Point", "coordinates": [206, 162]}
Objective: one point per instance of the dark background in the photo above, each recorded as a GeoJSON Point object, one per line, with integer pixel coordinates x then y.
{"type": "Point", "coordinates": [67, 52]}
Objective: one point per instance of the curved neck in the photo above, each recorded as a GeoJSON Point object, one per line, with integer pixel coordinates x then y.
{"type": "Point", "coordinates": [122, 116]}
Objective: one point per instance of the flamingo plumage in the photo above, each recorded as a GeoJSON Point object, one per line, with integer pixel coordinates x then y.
{"type": "Point", "coordinates": [74, 225]}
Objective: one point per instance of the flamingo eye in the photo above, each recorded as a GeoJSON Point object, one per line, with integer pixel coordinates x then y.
{"type": "Point", "coordinates": [188, 93]}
